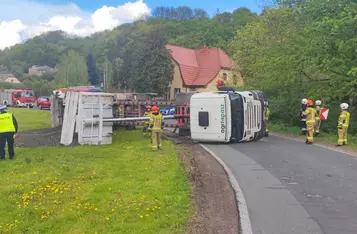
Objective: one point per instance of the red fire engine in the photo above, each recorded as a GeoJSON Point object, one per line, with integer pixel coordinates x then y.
{"type": "Point", "coordinates": [17, 97]}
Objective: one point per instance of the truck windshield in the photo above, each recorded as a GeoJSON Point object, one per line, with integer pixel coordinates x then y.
{"type": "Point", "coordinates": [237, 116]}
{"type": "Point", "coordinates": [27, 94]}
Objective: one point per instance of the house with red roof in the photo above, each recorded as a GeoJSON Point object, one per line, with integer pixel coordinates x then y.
{"type": "Point", "coordinates": [199, 69]}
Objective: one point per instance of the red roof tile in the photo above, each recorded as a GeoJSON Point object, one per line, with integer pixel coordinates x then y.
{"type": "Point", "coordinates": [200, 67]}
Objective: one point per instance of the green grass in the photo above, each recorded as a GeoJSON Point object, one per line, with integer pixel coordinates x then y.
{"type": "Point", "coordinates": [323, 137]}
{"type": "Point", "coordinates": [31, 118]}
{"type": "Point", "coordinates": [118, 188]}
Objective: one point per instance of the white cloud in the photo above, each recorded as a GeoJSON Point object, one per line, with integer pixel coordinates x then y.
{"type": "Point", "coordinates": [39, 18]}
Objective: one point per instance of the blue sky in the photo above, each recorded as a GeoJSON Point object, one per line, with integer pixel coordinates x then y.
{"type": "Point", "coordinates": [84, 17]}
{"type": "Point", "coordinates": [209, 5]}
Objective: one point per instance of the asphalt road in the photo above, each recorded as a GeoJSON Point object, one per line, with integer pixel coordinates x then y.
{"type": "Point", "coordinates": [291, 187]}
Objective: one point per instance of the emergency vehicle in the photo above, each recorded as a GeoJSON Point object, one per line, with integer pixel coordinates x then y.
{"type": "Point", "coordinates": [17, 97]}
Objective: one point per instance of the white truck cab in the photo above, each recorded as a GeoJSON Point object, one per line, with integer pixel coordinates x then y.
{"type": "Point", "coordinates": [227, 116]}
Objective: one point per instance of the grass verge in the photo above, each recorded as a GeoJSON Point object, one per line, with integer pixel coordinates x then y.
{"type": "Point", "coordinates": [323, 137]}
{"type": "Point", "coordinates": [118, 188]}
{"type": "Point", "coordinates": [31, 118]}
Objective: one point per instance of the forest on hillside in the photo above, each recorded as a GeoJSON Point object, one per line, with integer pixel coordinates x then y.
{"type": "Point", "coordinates": [294, 50]}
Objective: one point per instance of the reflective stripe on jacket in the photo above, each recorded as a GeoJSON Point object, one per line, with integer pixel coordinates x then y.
{"type": "Point", "coordinates": [318, 112]}
{"type": "Point", "coordinates": [156, 122]}
{"type": "Point", "coordinates": [310, 115]}
{"type": "Point", "coordinates": [344, 119]}
{"type": "Point", "coordinates": [148, 114]}
{"type": "Point", "coordinates": [267, 113]}
{"type": "Point", "coordinates": [6, 123]}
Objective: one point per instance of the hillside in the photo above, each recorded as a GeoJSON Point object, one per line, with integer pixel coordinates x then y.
{"type": "Point", "coordinates": [298, 49]}
{"type": "Point", "coordinates": [105, 51]}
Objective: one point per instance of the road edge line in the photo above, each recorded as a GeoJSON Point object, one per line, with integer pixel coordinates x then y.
{"type": "Point", "coordinates": [245, 224]}
{"type": "Point", "coordinates": [317, 144]}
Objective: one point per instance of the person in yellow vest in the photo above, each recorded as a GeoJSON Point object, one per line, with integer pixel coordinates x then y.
{"type": "Point", "coordinates": [121, 111]}
{"type": "Point", "coordinates": [310, 122]}
{"type": "Point", "coordinates": [267, 114]}
{"type": "Point", "coordinates": [147, 113]}
{"type": "Point", "coordinates": [343, 123]}
{"type": "Point", "coordinates": [156, 125]}
{"type": "Point", "coordinates": [317, 118]}
{"type": "Point", "coordinates": [8, 130]}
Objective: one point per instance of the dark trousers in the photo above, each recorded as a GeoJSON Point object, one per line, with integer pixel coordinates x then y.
{"type": "Point", "coordinates": [9, 138]}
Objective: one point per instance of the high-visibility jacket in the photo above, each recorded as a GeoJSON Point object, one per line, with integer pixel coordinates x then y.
{"type": "Point", "coordinates": [6, 123]}
{"type": "Point", "coordinates": [310, 115]}
{"type": "Point", "coordinates": [344, 119]}
{"type": "Point", "coordinates": [318, 112]}
{"type": "Point", "coordinates": [156, 122]}
{"type": "Point", "coordinates": [267, 113]}
{"type": "Point", "coordinates": [147, 114]}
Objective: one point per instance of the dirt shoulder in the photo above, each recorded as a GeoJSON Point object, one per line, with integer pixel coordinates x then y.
{"type": "Point", "coordinates": [46, 137]}
{"type": "Point", "coordinates": [213, 199]}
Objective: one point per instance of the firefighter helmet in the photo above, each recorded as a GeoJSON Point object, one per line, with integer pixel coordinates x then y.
{"type": "Point", "coordinates": [304, 101]}
{"type": "Point", "coordinates": [219, 82]}
{"type": "Point", "coordinates": [344, 106]}
{"type": "Point", "coordinates": [318, 103]}
{"type": "Point", "coordinates": [155, 109]}
{"type": "Point", "coordinates": [309, 103]}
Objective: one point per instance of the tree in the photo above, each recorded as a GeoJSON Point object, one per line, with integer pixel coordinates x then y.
{"type": "Point", "coordinates": [92, 69]}
{"type": "Point", "coordinates": [71, 70]}
{"type": "Point", "coordinates": [147, 64]}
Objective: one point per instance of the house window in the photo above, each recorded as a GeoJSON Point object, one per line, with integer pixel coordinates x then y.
{"type": "Point", "coordinates": [224, 77]}
{"type": "Point", "coordinates": [177, 90]}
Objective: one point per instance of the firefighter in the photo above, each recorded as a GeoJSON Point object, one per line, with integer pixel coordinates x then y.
{"type": "Point", "coordinates": [343, 122]}
{"type": "Point", "coordinates": [309, 113]}
{"type": "Point", "coordinates": [8, 130]}
{"type": "Point", "coordinates": [121, 111]}
{"type": "Point", "coordinates": [267, 114]}
{"type": "Point", "coordinates": [302, 117]}
{"type": "Point", "coordinates": [156, 125]}
{"type": "Point", "coordinates": [147, 113]}
{"type": "Point", "coordinates": [317, 118]}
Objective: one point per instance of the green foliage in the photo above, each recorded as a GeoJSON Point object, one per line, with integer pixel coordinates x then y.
{"type": "Point", "coordinates": [107, 52]}
{"type": "Point", "coordinates": [119, 188]}
{"type": "Point", "coordinates": [301, 49]}
{"type": "Point", "coordinates": [149, 63]}
{"type": "Point", "coordinates": [71, 70]}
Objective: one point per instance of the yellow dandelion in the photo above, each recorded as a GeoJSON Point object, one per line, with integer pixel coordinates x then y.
{"type": "Point", "coordinates": [147, 215]}
{"type": "Point", "coordinates": [107, 218]}
{"type": "Point", "coordinates": [141, 216]}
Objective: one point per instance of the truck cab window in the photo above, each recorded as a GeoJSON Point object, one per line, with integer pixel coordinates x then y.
{"type": "Point", "coordinates": [17, 95]}
{"type": "Point", "coordinates": [27, 94]}
{"type": "Point", "coordinates": [237, 116]}
{"type": "Point", "coordinates": [203, 119]}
